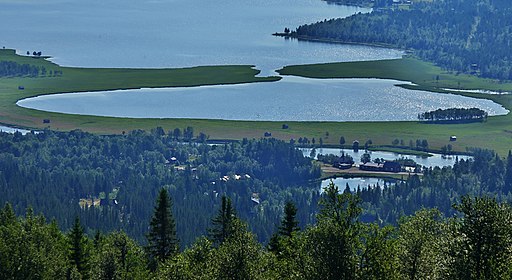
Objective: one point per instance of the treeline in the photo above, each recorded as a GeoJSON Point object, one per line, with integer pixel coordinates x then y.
{"type": "Point", "coordinates": [454, 115]}
{"type": "Point", "coordinates": [473, 244]}
{"type": "Point", "coordinates": [459, 35]}
{"type": "Point", "coordinates": [108, 180]}
{"type": "Point", "coordinates": [14, 69]}
{"type": "Point", "coordinates": [363, 3]}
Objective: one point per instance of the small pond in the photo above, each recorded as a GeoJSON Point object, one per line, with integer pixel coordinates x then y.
{"type": "Point", "coordinates": [353, 183]}
{"type": "Point", "coordinates": [434, 160]}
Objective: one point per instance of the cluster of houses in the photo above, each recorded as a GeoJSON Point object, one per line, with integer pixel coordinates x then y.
{"type": "Point", "coordinates": [235, 177]}
{"type": "Point", "coordinates": [387, 166]}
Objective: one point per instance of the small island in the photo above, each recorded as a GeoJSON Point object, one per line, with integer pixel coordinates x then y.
{"type": "Point", "coordinates": [453, 115]}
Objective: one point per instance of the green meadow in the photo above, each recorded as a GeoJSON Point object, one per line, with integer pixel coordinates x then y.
{"type": "Point", "coordinates": [495, 133]}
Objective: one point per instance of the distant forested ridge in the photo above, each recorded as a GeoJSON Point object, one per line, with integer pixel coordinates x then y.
{"type": "Point", "coordinates": [467, 36]}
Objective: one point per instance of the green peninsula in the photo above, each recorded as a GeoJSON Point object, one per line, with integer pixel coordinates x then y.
{"type": "Point", "coordinates": [495, 133]}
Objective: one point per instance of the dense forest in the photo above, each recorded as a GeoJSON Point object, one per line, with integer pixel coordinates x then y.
{"type": "Point", "coordinates": [110, 181]}
{"type": "Point", "coordinates": [468, 36]}
{"type": "Point", "coordinates": [473, 244]}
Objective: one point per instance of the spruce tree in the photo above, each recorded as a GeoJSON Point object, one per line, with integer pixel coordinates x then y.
{"type": "Point", "coordinates": [162, 239]}
{"type": "Point", "coordinates": [222, 224]}
{"type": "Point", "coordinates": [78, 249]}
{"type": "Point", "coordinates": [289, 224]}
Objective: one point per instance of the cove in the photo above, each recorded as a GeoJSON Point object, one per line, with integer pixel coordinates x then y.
{"type": "Point", "coordinates": [291, 99]}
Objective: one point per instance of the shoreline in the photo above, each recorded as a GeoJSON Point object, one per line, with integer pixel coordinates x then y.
{"type": "Point", "coordinates": [334, 41]}
{"type": "Point", "coordinates": [382, 133]}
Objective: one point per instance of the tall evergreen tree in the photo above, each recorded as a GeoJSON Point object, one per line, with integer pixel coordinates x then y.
{"type": "Point", "coordinates": [162, 239]}
{"type": "Point", "coordinates": [289, 224]}
{"type": "Point", "coordinates": [78, 248]}
{"type": "Point", "coordinates": [222, 224]}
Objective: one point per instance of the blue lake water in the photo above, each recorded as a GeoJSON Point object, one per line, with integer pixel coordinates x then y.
{"type": "Point", "coordinates": [179, 33]}
{"type": "Point", "coordinates": [353, 183]}
{"type": "Point", "coordinates": [434, 160]}
{"type": "Point", "coordinates": [174, 33]}
{"type": "Point", "coordinates": [292, 99]}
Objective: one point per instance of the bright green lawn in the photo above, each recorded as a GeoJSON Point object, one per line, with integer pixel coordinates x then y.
{"type": "Point", "coordinates": [495, 134]}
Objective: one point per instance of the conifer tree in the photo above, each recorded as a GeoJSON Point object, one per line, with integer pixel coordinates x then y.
{"type": "Point", "coordinates": [289, 224]}
{"type": "Point", "coordinates": [162, 239]}
{"type": "Point", "coordinates": [222, 224]}
{"type": "Point", "coordinates": [78, 249]}
{"type": "Point", "coordinates": [7, 215]}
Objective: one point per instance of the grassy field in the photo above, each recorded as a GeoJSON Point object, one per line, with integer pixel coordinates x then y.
{"type": "Point", "coordinates": [495, 134]}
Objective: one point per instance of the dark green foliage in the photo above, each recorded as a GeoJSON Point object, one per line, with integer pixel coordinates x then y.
{"type": "Point", "coordinates": [78, 248]}
{"type": "Point", "coordinates": [239, 257]}
{"type": "Point", "coordinates": [420, 245]}
{"type": "Point", "coordinates": [425, 246]}
{"type": "Point", "coordinates": [52, 171]}
{"type": "Point", "coordinates": [378, 256]}
{"type": "Point", "coordinates": [289, 224]}
{"type": "Point", "coordinates": [333, 242]}
{"type": "Point", "coordinates": [162, 239]}
{"type": "Point", "coordinates": [30, 248]}
{"type": "Point", "coordinates": [454, 115]}
{"type": "Point", "coordinates": [223, 224]}
{"type": "Point", "coordinates": [482, 252]}
{"type": "Point", "coordinates": [118, 257]}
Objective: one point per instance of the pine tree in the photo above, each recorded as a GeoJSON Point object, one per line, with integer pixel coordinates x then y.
{"type": "Point", "coordinates": [162, 239]}
{"type": "Point", "coordinates": [222, 224]}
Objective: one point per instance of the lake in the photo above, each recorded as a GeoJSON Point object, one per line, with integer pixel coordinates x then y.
{"type": "Point", "coordinates": [175, 33]}
{"type": "Point", "coordinates": [178, 33]}
{"type": "Point", "coordinates": [291, 99]}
